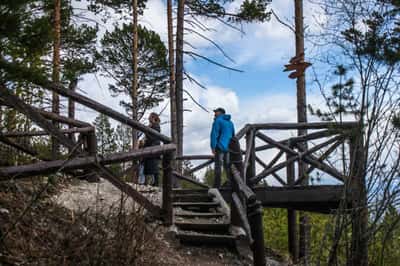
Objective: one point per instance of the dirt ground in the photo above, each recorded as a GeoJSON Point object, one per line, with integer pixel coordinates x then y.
{"type": "Point", "coordinates": [74, 222]}
{"type": "Point", "coordinates": [104, 196]}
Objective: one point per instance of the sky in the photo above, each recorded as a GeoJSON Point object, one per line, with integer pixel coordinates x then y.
{"type": "Point", "coordinates": [261, 93]}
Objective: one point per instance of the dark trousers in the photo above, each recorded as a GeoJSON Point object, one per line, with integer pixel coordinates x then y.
{"type": "Point", "coordinates": [221, 159]}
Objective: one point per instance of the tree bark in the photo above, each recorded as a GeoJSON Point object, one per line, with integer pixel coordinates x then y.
{"type": "Point", "coordinates": [179, 78]}
{"type": "Point", "coordinates": [134, 79]}
{"type": "Point", "coordinates": [302, 117]}
{"type": "Point", "coordinates": [55, 147]}
{"type": "Point", "coordinates": [171, 58]}
{"type": "Point", "coordinates": [359, 214]}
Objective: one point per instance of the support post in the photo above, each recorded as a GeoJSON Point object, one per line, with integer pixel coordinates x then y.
{"type": "Point", "coordinates": [71, 106]}
{"type": "Point", "coordinates": [168, 159]}
{"type": "Point", "coordinates": [250, 145]}
{"type": "Point", "coordinates": [291, 214]}
{"type": "Point", "coordinates": [91, 148]}
{"type": "Point", "coordinates": [254, 214]}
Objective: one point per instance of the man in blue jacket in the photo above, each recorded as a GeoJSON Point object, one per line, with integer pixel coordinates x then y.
{"type": "Point", "coordinates": [221, 134]}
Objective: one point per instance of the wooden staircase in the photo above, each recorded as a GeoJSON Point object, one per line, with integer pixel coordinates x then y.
{"type": "Point", "coordinates": [202, 217]}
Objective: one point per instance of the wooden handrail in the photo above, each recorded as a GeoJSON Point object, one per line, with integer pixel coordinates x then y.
{"type": "Point", "coordinates": [243, 216]}
{"type": "Point", "coordinates": [17, 134]}
{"type": "Point", "coordinates": [194, 157]}
{"type": "Point", "coordinates": [19, 71]}
{"type": "Point", "coordinates": [190, 180]}
{"type": "Point", "coordinates": [248, 194]}
{"type": "Point", "coordinates": [312, 125]}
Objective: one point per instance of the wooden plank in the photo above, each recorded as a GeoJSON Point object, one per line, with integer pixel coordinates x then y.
{"type": "Point", "coordinates": [321, 199]}
{"type": "Point", "coordinates": [43, 168]}
{"type": "Point", "coordinates": [313, 125]}
{"type": "Point", "coordinates": [188, 179]}
{"type": "Point", "coordinates": [19, 71]}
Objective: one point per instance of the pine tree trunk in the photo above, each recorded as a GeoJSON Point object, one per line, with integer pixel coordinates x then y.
{"type": "Point", "coordinates": [55, 147]}
{"type": "Point", "coordinates": [134, 78]}
{"type": "Point", "coordinates": [179, 79]}
{"type": "Point", "coordinates": [171, 57]}
{"type": "Point", "coordinates": [302, 117]}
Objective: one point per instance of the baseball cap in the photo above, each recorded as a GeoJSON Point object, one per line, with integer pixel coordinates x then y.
{"type": "Point", "coordinates": [219, 109]}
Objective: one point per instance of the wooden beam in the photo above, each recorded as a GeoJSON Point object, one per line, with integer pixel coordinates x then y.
{"type": "Point", "coordinates": [167, 184]}
{"type": "Point", "coordinates": [188, 179]}
{"type": "Point", "coordinates": [55, 117]}
{"type": "Point", "coordinates": [247, 193]}
{"type": "Point", "coordinates": [19, 71]}
{"type": "Point", "coordinates": [194, 157]}
{"type": "Point", "coordinates": [249, 159]}
{"type": "Point", "coordinates": [36, 117]}
{"type": "Point", "coordinates": [303, 156]}
{"type": "Point", "coordinates": [17, 134]}
{"type": "Point", "coordinates": [307, 137]}
{"type": "Point", "coordinates": [200, 166]}
{"type": "Point", "coordinates": [320, 159]}
{"type": "Point", "coordinates": [43, 168]}
{"type": "Point", "coordinates": [242, 132]}
{"type": "Point", "coordinates": [127, 189]}
{"type": "Point", "coordinates": [242, 215]}
{"type": "Point", "coordinates": [321, 199]}
{"type": "Point", "coordinates": [23, 148]}
{"type": "Point", "coordinates": [313, 125]}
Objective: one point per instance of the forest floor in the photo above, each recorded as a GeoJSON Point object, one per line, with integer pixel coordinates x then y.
{"type": "Point", "coordinates": [79, 223]}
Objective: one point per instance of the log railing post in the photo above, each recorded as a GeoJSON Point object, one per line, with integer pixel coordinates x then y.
{"type": "Point", "coordinates": [250, 145]}
{"type": "Point", "coordinates": [255, 216]}
{"type": "Point", "coordinates": [168, 159]}
{"type": "Point", "coordinates": [91, 149]}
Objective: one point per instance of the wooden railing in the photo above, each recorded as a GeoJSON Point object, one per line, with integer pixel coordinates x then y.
{"type": "Point", "coordinates": [246, 212]}
{"type": "Point", "coordinates": [82, 153]}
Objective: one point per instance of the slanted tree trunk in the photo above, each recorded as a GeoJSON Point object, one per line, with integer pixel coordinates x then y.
{"type": "Point", "coordinates": [55, 147]}
{"type": "Point", "coordinates": [134, 78]}
{"type": "Point", "coordinates": [171, 57]}
{"type": "Point", "coordinates": [301, 117]}
{"type": "Point", "coordinates": [179, 78]}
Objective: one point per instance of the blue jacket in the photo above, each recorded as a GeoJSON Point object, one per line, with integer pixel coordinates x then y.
{"type": "Point", "coordinates": [222, 132]}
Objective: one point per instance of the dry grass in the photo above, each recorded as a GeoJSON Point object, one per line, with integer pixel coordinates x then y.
{"type": "Point", "coordinates": [36, 231]}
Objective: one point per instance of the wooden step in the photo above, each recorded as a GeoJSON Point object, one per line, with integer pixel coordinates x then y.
{"type": "Point", "coordinates": [192, 198]}
{"type": "Point", "coordinates": [202, 226]}
{"type": "Point", "coordinates": [200, 206]}
{"type": "Point", "coordinates": [200, 214]}
{"type": "Point", "coordinates": [208, 239]}
{"type": "Point", "coordinates": [190, 191]}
